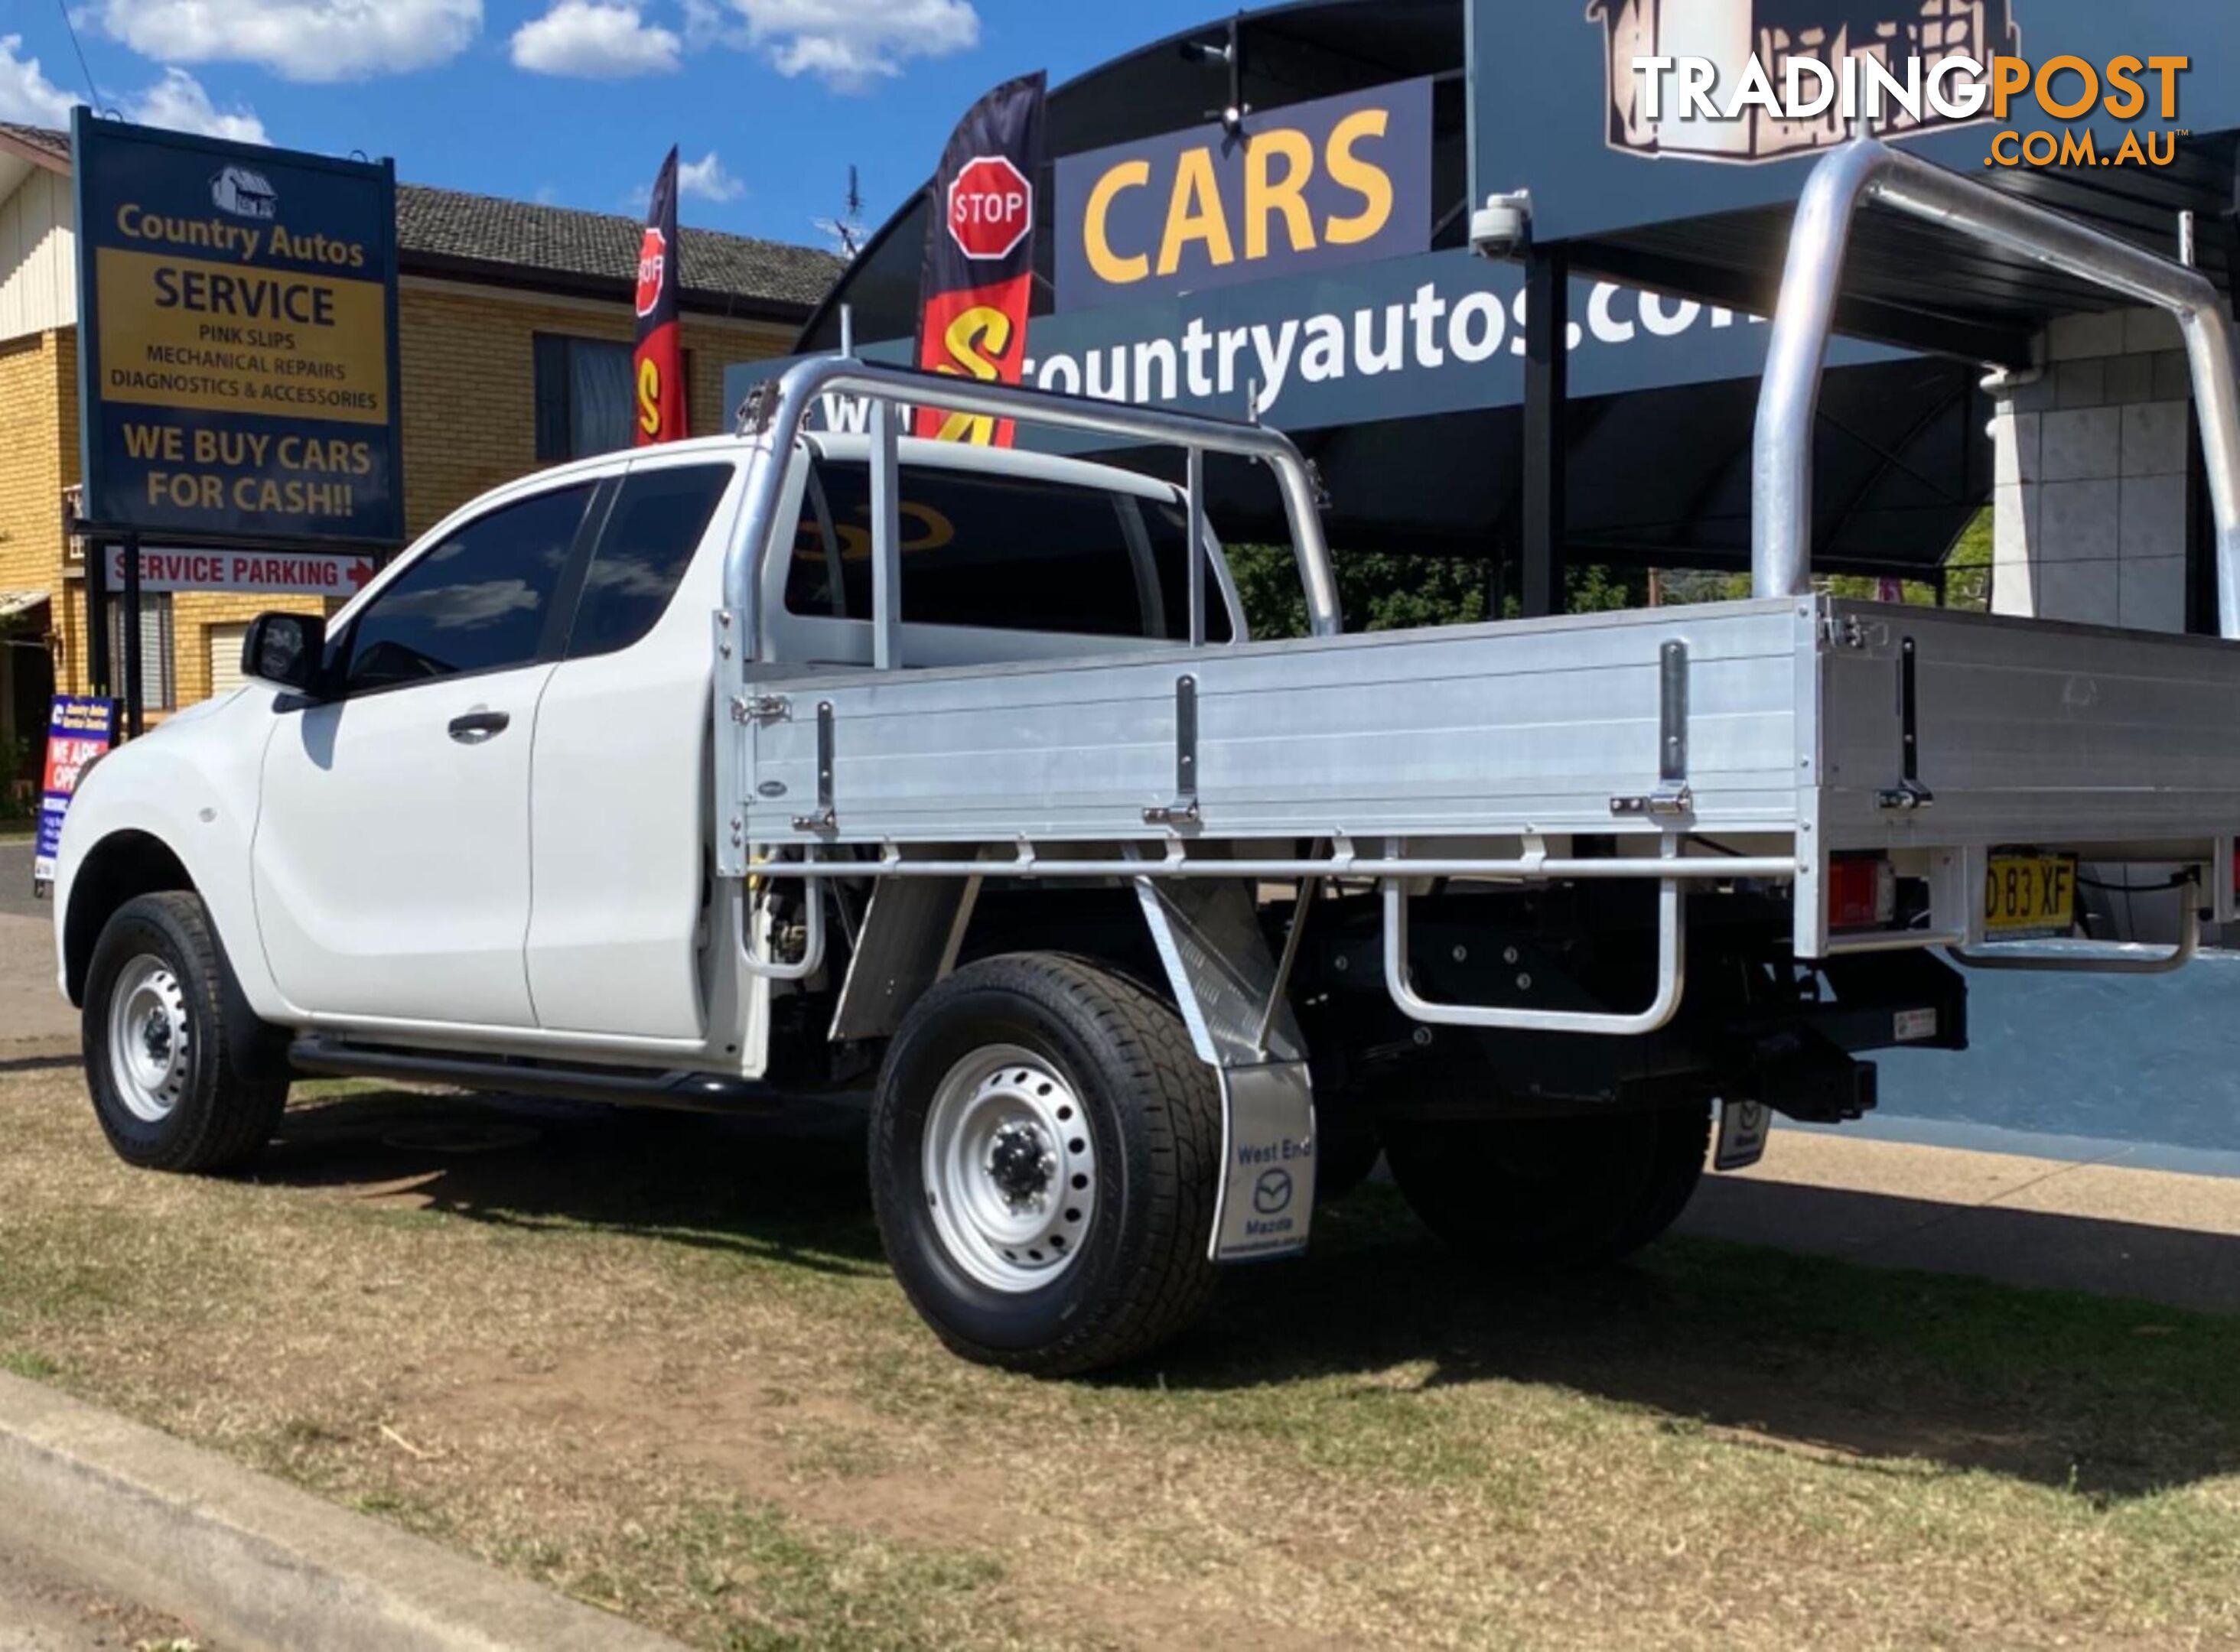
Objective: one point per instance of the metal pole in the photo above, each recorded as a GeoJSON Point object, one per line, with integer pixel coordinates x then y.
{"type": "Point", "coordinates": [886, 540]}
{"type": "Point", "coordinates": [1194, 529]}
{"type": "Point", "coordinates": [779, 414]}
{"type": "Point", "coordinates": [1547, 390]}
{"type": "Point", "coordinates": [134, 688]}
{"type": "Point", "coordinates": [1866, 172]}
{"type": "Point", "coordinates": [96, 618]}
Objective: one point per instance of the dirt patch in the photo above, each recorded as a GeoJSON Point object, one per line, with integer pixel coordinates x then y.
{"type": "Point", "coordinates": [658, 1362]}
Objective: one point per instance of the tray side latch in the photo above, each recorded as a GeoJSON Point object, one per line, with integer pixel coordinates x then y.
{"type": "Point", "coordinates": [1672, 799]}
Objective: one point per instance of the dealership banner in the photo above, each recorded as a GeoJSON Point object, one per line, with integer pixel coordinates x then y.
{"type": "Point", "coordinates": [977, 284]}
{"type": "Point", "coordinates": [78, 730]}
{"type": "Point", "coordinates": [1311, 186]}
{"type": "Point", "coordinates": [271, 572]}
{"type": "Point", "coordinates": [1441, 332]}
{"type": "Point", "coordinates": [658, 365]}
{"type": "Point", "coordinates": [237, 363]}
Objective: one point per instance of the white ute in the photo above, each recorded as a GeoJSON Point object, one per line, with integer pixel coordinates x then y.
{"type": "Point", "coordinates": [788, 763]}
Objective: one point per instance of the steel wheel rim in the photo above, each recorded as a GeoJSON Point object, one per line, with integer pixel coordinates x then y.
{"type": "Point", "coordinates": [150, 1054]}
{"type": "Point", "coordinates": [1010, 1168]}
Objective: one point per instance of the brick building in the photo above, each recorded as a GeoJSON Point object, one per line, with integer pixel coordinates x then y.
{"type": "Point", "coordinates": [514, 329]}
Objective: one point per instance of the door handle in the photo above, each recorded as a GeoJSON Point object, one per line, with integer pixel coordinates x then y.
{"type": "Point", "coordinates": [475, 727]}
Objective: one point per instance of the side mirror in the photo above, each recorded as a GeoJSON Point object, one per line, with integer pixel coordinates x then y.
{"type": "Point", "coordinates": [285, 650]}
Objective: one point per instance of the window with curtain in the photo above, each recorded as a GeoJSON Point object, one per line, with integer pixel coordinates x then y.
{"type": "Point", "coordinates": [582, 396]}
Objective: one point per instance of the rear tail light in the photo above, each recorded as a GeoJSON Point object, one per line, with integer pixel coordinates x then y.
{"type": "Point", "coordinates": [1862, 892]}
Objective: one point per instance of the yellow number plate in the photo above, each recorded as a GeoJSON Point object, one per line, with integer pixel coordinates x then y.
{"type": "Point", "coordinates": [2027, 896]}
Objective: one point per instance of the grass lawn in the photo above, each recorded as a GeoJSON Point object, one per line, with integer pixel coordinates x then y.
{"type": "Point", "coordinates": [656, 1363]}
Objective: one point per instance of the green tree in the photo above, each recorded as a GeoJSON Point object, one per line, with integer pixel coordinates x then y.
{"type": "Point", "coordinates": [1390, 591]}
{"type": "Point", "coordinates": [1379, 591]}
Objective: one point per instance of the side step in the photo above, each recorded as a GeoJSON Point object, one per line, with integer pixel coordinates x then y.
{"type": "Point", "coordinates": [621, 1086]}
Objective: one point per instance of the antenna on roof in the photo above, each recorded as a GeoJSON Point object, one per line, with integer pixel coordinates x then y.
{"type": "Point", "coordinates": [847, 229]}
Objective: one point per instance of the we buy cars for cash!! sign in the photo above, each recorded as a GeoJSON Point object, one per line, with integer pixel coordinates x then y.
{"type": "Point", "coordinates": [245, 570]}
{"type": "Point", "coordinates": [238, 374]}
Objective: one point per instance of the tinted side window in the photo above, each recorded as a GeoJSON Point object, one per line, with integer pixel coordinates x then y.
{"type": "Point", "coordinates": [657, 522]}
{"type": "Point", "coordinates": [478, 601]}
{"type": "Point", "coordinates": [1001, 552]}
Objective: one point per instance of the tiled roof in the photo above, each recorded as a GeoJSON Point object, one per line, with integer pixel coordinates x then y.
{"type": "Point", "coordinates": [451, 232]}
{"type": "Point", "coordinates": [599, 246]}
{"type": "Point", "coordinates": [53, 143]}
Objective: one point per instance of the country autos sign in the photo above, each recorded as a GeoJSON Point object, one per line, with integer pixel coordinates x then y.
{"type": "Point", "coordinates": [274, 573]}
{"type": "Point", "coordinates": [1313, 186]}
{"type": "Point", "coordinates": [237, 373]}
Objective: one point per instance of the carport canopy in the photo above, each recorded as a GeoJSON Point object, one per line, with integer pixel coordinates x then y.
{"type": "Point", "coordinates": [1619, 465]}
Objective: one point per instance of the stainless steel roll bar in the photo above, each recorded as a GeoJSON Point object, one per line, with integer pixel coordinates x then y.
{"type": "Point", "coordinates": [780, 410]}
{"type": "Point", "coordinates": [1867, 172]}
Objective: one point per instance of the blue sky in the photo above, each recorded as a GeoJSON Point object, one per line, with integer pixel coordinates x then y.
{"type": "Point", "coordinates": [575, 101]}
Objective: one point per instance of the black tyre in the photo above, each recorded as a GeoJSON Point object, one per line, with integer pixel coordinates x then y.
{"type": "Point", "coordinates": [1550, 1193]}
{"type": "Point", "coordinates": [164, 1032]}
{"type": "Point", "coordinates": [1045, 1156]}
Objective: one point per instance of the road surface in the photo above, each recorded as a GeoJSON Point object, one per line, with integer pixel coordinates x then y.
{"type": "Point", "coordinates": [44, 1608]}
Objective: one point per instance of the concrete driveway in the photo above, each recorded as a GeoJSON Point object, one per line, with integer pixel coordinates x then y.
{"type": "Point", "coordinates": [16, 881]}
{"type": "Point", "coordinates": [30, 1006]}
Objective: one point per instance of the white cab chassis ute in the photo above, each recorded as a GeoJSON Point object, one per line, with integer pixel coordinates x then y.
{"type": "Point", "coordinates": [792, 764]}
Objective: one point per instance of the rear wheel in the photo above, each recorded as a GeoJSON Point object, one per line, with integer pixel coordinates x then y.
{"type": "Point", "coordinates": [162, 1069]}
{"type": "Point", "coordinates": [1550, 1193]}
{"type": "Point", "coordinates": [1045, 1154]}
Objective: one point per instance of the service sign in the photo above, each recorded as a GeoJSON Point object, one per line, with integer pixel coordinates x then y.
{"type": "Point", "coordinates": [238, 368]}
{"type": "Point", "coordinates": [270, 572]}
{"type": "Point", "coordinates": [78, 730]}
{"type": "Point", "coordinates": [1306, 187]}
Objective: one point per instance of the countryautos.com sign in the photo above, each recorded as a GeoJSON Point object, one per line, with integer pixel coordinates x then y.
{"type": "Point", "coordinates": [1438, 333]}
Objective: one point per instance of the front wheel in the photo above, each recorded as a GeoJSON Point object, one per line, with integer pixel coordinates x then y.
{"type": "Point", "coordinates": [165, 1083]}
{"type": "Point", "coordinates": [1045, 1157]}
{"type": "Point", "coordinates": [1550, 1193]}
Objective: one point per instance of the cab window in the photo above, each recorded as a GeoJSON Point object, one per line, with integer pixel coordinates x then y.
{"type": "Point", "coordinates": [478, 601]}
{"type": "Point", "coordinates": [657, 522]}
{"type": "Point", "coordinates": [1003, 553]}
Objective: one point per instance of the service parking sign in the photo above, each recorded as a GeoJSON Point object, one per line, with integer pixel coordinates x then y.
{"type": "Point", "coordinates": [237, 372]}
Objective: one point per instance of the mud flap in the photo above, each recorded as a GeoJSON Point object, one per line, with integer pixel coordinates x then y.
{"type": "Point", "coordinates": [1744, 1127]}
{"type": "Point", "coordinates": [1267, 1162]}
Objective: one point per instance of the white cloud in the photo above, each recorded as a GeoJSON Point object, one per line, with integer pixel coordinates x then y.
{"type": "Point", "coordinates": [26, 96]}
{"type": "Point", "coordinates": [706, 22]}
{"type": "Point", "coordinates": [849, 43]}
{"type": "Point", "coordinates": [707, 179]}
{"type": "Point", "coordinates": [315, 40]}
{"type": "Point", "coordinates": [594, 40]}
{"type": "Point", "coordinates": [178, 101]}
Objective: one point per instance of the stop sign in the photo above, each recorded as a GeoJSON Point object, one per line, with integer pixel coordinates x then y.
{"type": "Point", "coordinates": [652, 261]}
{"type": "Point", "coordinates": [991, 207]}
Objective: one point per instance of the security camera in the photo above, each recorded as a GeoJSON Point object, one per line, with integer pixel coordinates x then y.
{"type": "Point", "coordinates": [1503, 225]}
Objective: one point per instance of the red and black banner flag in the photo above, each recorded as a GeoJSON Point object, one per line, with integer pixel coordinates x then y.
{"type": "Point", "coordinates": [980, 254]}
{"type": "Point", "coordinates": [657, 370]}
